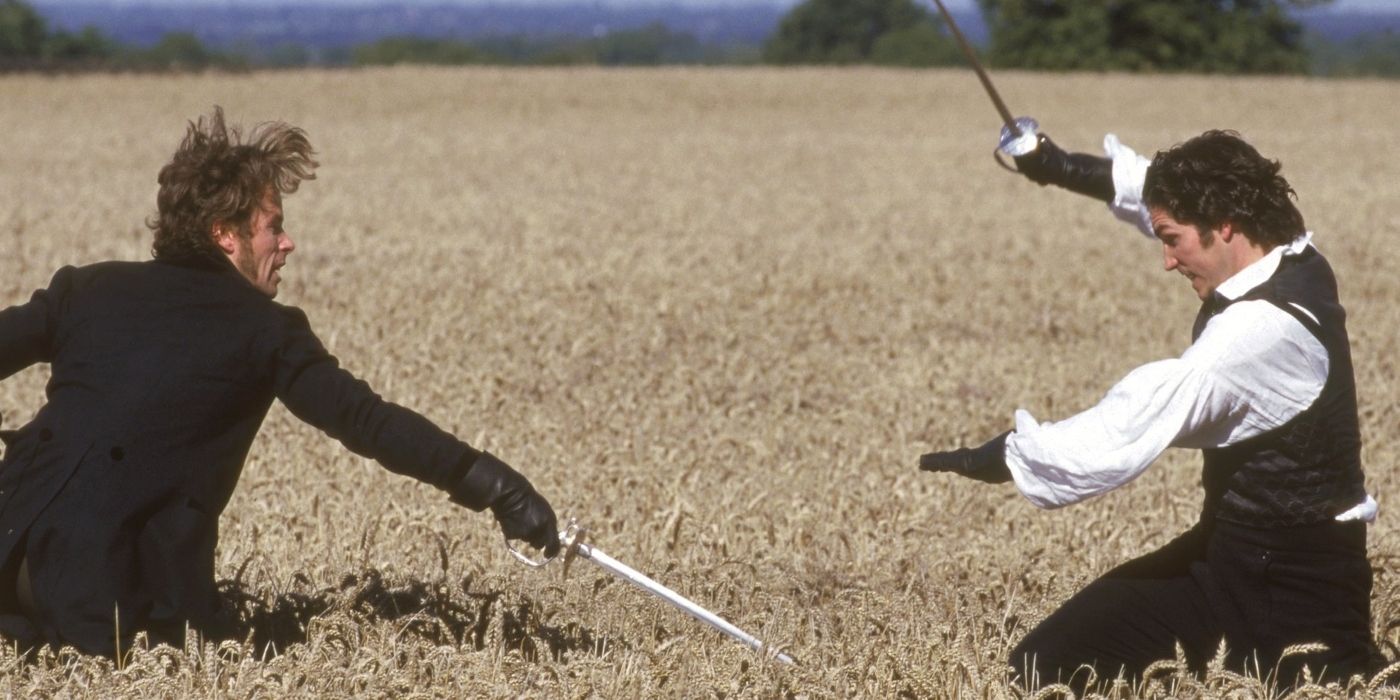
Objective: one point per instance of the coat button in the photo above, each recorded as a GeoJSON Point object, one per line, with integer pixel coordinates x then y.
{"type": "Point", "coordinates": [118, 454]}
{"type": "Point", "coordinates": [45, 435]}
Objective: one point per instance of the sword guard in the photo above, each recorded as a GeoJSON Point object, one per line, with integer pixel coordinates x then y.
{"type": "Point", "coordinates": [1023, 140]}
{"type": "Point", "coordinates": [996, 155]}
{"type": "Point", "coordinates": [569, 540]}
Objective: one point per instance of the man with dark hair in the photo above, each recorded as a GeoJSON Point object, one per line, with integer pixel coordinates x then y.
{"type": "Point", "coordinates": [1265, 391]}
{"type": "Point", "coordinates": [162, 373]}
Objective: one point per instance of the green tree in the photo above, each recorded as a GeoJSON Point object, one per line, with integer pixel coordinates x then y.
{"type": "Point", "coordinates": [286, 55]}
{"type": "Point", "coordinates": [859, 31]}
{"type": "Point", "coordinates": [923, 44]}
{"type": "Point", "coordinates": [1209, 36]}
{"type": "Point", "coordinates": [88, 48]}
{"type": "Point", "coordinates": [407, 49]}
{"type": "Point", "coordinates": [180, 51]}
{"type": "Point", "coordinates": [651, 45]}
{"type": "Point", "coordinates": [22, 32]}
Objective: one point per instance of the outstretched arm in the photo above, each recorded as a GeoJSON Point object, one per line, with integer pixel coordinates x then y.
{"type": "Point", "coordinates": [1244, 376]}
{"type": "Point", "coordinates": [310, 382]}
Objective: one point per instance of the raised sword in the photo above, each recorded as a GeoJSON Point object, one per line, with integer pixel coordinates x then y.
{"type": "Point", "coordinates": [1018, 134]}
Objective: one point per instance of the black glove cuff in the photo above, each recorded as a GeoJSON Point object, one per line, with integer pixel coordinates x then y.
{"type": "Point", "coordinates": [1091, 176]}
{"type": "Point", "coordinates": [986, 463]}
{"type": "Point", "coordinates": [1080, 173]}
{"type": "Point", "coordinates": [481, 483]}
{"type": "Point", "coordinates": [991, 467]}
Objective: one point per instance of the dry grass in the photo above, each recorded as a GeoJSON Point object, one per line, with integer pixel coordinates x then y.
{"type": "Point", "coordinates": [716, 314]}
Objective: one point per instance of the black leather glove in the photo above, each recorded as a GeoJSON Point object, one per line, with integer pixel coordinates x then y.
{"type": "Point", "coordinates": [522, 513]}
{"type": "Point", "coordinates": [1048, 164]}
{"type": "Point", "coordinates": [986, 463]}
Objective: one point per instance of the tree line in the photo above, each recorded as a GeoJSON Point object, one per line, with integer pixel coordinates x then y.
{"type": "Point", "coordinates": [1201, 36]}
{"type": "Point", "coordinates": [26, 43]}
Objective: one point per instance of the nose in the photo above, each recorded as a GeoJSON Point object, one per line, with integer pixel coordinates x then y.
{"type": "Point", "coordinates": [288, 245]}
{"type": "Point", "coordinates": [1169, 262]}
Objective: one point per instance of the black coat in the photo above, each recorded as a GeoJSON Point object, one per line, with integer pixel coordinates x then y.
{"type": "Point", "coordinates": [162, 373]}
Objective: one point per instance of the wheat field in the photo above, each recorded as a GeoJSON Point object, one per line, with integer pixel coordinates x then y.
{"type": "Point", "coordinates": [716, 314]}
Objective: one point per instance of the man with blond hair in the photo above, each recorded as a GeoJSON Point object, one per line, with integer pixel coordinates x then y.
{"type": "Point", "coordinates": [162, 372]}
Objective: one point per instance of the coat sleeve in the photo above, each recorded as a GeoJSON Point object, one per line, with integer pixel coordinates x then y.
{"type": "Point", "coordinates": [28, 332]}
{"type": "Point", "coordinates": [313, 386]}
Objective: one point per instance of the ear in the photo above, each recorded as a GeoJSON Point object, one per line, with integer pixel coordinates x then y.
{"type": "Point", "coordinates": [1226, 231]}
{"type": "Point", "coordinates": [223, 234]}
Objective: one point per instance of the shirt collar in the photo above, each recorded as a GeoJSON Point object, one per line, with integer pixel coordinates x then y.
{"type": "Point", "coordinates": [1259, 271]}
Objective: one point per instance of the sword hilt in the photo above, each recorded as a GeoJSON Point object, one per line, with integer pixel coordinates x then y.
{"type": "Point", "coordinates": [1023, 140]}
{"type": "Point", "coordinates": [570, 539]}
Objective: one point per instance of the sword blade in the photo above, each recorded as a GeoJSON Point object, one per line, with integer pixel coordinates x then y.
{"type": "Point", "coordinates": [689, 607]}
{"type": "Point", "coordinates": [971, 55]}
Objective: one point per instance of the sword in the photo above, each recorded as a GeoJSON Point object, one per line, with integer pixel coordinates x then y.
{"type": "Point", "coordinates": [1018, 134]}
{"type": "Point", "coordinates": [572, 546]}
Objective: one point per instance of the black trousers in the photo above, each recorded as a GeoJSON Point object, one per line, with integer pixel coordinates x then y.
{"type": "Point", "coordinates": [1259, 590]}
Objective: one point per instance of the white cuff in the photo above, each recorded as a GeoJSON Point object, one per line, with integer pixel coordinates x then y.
{"type": "Point", "coordinates": [1365, 510]}
{"type": "Point", "coordinates": [1129, 172]}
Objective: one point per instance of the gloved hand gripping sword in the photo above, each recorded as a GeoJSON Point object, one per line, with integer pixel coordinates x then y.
{"type": "Point", "coordinates": [1036, 156]}
{"type": "Point", "coordinates": [572, 546]}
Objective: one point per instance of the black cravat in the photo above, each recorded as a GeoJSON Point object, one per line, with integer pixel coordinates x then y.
{"type": "Point", "coordinates": [1214, 304]}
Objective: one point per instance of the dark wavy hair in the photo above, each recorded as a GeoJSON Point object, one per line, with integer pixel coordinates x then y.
{"type": "Point", "coordinates": [215, 176]}
{"type": "Point", "coordinates": [1216, 178]}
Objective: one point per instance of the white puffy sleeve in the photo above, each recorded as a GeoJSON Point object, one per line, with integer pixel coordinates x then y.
{"type": "Point", "coordinates": [1129, 172]}
{"type": "Point", "coordinates": [1253, 369]}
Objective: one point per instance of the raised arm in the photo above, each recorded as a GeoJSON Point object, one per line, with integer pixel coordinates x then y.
{"type": "Point", "coordinates": [1115, 178]}
{"type": "Point", "coordinates": [1048, 164]}
{"type": "Point", "coordinates": [1223, 389]}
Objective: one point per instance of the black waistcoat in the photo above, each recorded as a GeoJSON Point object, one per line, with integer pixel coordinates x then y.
{"type": "Point", "coordinates": [1308, 470]}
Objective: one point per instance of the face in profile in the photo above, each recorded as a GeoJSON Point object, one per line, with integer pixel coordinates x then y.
{"type": "Point", "coordinates": [261, 252]}
{"type": "Point", "coordinates": [1192, 253]}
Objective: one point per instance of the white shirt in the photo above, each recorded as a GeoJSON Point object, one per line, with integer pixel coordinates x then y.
{"type": "Point", "coordinates": [1253, 369]}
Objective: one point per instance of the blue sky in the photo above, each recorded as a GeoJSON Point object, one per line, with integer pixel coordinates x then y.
{"type": "Point", "coordinates": [952, 4]}
{"type": "Point", "coordinates": [1377, 5]}
{"type": "Point", "coordinates": [1386, 6]}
